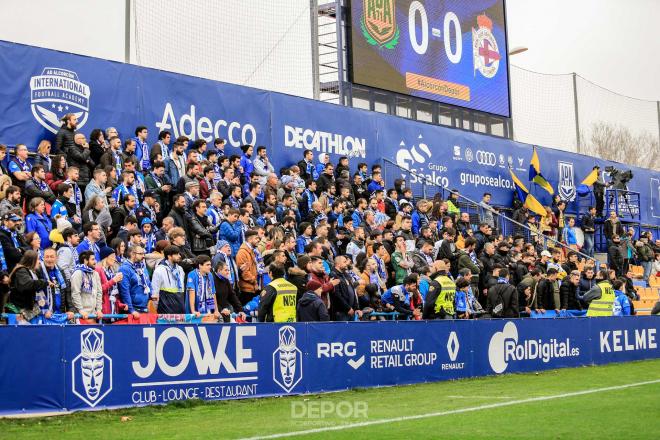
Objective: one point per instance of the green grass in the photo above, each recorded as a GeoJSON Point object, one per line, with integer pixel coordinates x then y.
{"type": "Point", "coordinates": [630, 413]}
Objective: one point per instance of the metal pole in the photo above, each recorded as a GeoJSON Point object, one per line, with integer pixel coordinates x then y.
{"type": "Point", "coordinates": [314, 25]}
{"type": "Point", "coordinates": [127, 32]}
{"type": "Point", "coordinates": [577, 119]}
{"type": "Point", "coordinates": [340, 51]}
{"type": "Point", "coordinates": [658, 105]}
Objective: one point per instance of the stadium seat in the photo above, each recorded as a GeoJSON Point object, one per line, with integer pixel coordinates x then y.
{"type": "Point", "coordinates": [654, 281]}
{"type": "Point", "coordinates": [644, 306]}
{"type": "Point", "coordinates": [638, 271]}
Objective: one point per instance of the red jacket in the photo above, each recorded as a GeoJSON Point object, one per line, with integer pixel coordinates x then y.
{"type": "Point", "coordinates": [327, 288]}
{"type": "Point", "coordinates": [106, 286]}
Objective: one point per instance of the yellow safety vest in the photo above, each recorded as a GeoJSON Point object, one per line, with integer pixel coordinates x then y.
{"type": "Point", "coordinates": [446, 297]}
{"type": "Point", "coordinates": [284, 306]}
{"type": "Point", "coordinates": [603, 305]}
{"type": "Point", "coordinates": [451, 208]}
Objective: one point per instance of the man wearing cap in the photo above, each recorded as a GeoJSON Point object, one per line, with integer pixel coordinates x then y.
{"type": "Point", "coordinates": [278, 300]}
{"type": "Point", "coordinates": [310, 307]}
{"type": "Point", "coordinates": [148, 208]}
{"type": "Point", "coordinates": [224, 254]}
{"type": "Point", "coordinates": [168, 281]}
{"type": "Point", "coordinates": [9, 240]}
{"type": "Point", "coordinates": [542, 264]}
{"type": "Point", "coordinates": [247, 264]}
{"type": "Point", "coordinates": [86, 292]}
{"type": "Point", "coordinates": [110, 280]}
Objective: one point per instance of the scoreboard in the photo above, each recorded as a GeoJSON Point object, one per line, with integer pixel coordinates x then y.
{"type": "Point", "coordinates": [451, 51]}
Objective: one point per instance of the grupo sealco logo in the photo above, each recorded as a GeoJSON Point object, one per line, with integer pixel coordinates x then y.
{"type": "Point", "coordinates": [505, 347]}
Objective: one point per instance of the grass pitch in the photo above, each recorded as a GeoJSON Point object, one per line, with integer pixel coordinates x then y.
{"type": "Point", "coordinates": [481, 408]}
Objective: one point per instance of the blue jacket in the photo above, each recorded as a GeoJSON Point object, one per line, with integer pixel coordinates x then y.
{"type": "Point", "coordinates": [232, 233]}
{"type": "Point", "coordinates": [248, 166]}
{"type": "Point", "coordinates": [41, 225]}
{"type": "Point", "coordinates": [171, 172]}
{"type": "Point", "coordinates": [301, 243]}
{"type": "Point", "coordinates": [416, 222]}
{"type": "Point", "coordinates": [357, 218]}
{"type": "Point", "coordinates": [374, 186]}
{"type": "Point", "coordinates": [621, 304]}
{"type": "Point", "coordinates": [131, 292]}
{"type": "Point", "coordinates": [144, 162]}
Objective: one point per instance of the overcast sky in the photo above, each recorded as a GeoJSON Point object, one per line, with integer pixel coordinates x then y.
{"type": "Point", "coordinates": [614, 43]}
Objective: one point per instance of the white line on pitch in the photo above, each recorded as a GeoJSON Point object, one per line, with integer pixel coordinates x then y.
{"type": "Point", "coordinates": [450, 412]}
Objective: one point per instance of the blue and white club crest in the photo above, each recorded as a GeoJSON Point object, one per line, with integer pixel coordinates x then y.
{"type": "Point", "coordinates": [287, 360]}
{"type": "Point", "coordinates": [566, 181]}
{"type": "Point", "coordinates": [55, 93]}
{"type": "Point", "coordinates": [91, 370]}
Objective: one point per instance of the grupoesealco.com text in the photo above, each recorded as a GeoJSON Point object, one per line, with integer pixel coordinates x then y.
{"type": "Point", "coordinates": [479, 180]}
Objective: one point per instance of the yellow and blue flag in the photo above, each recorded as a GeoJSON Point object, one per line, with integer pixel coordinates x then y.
{"type": "Point", "coordinates": [535, 174]}
{"type": "Point", "coordinates": [591, 178]}
{"type": "Point", "coordinates": [529, 201]}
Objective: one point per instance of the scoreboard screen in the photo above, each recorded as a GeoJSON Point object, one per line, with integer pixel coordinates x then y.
{"type": "Point", "coordinates": [451, 51]}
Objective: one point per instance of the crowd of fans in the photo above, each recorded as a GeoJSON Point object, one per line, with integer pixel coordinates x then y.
{"type": "Point", "coordinates": [112, 226]}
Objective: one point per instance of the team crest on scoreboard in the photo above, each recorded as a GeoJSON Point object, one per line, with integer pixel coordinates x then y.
{"type": "Point", "coordinates": [379, 23]}
{"type": "Point", "coordinates": [485, 53]}
{"type": "Point", "coordinates": [566, 181]}
{"type": "Point", "coordinates": [55, 93]}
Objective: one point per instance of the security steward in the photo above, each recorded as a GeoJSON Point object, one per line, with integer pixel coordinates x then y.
{"type": "Point", "coordinates": [440, 297]}
{"type": "Point", "coordinates": [278, 300]}
{"type": "Point", "coordinates": [600, 297]}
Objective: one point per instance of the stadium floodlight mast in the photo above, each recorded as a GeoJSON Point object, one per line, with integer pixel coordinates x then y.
{"type": "Point", "coordinates": [518, 49]}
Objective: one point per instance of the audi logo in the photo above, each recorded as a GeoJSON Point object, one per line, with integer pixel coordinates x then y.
{"type": "Point", "coordinates": [486, 158]}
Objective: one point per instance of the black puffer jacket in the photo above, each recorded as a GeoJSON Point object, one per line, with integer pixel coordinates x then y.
{"type": "Point", "coordinates": [63, 140]}
{"type": "Point", "coordinates": [79, 156]}
{"type": "Point", "coordinates": [200, 234]}
{"type": "Point", "coordinates": [23, 288]}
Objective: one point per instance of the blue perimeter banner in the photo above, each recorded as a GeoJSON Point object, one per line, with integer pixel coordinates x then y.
{"type": "Point", "coordinates": [90, 367]}
{"type": "Point", "coordinates": [47, 84]}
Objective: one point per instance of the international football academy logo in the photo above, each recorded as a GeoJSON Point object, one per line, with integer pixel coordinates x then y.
{"type": "Point", "coordinates": [287, 360]}
{"type": "Point", "coordinates": [92, 369]}
{"type": "Point", "coordinates": [485, 53]}
{"type": "Point", "coordinates": [379, 23]}
{"type": "Point", "coordinates": [55, 93]}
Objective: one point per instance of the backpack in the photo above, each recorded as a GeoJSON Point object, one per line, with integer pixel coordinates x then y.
{"type": "Point", "coordinates": [498, 306]}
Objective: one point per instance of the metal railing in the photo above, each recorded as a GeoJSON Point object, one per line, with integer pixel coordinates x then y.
{"type": "Point", "coordinates": [506, 225]}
